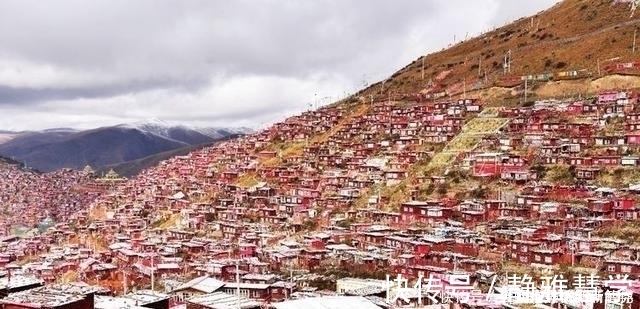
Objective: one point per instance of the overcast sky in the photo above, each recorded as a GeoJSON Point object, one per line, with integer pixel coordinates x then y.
{"type": "Point", "coordinates": [85, 64]}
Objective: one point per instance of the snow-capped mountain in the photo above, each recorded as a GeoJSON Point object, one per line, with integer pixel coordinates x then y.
{"type": "Point", "coordinates": [217, 132]}
{"type": "Point", "coordinates": [165, 129]}
{"type": "Point", "coordinates": [53, 149]}
{"type": "Point", "coordinates": [153, 126]}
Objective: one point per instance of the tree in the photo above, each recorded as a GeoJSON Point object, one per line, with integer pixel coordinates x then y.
{"type": "Point", "coordinates": [344, 223]}
{"type": "Point", "coordinates": [443, 188]}
{"type": "Point", "coordinates": [310, 224]}
{"type": "Point", "coordinates": [479, 193]}
{"type": "Point", "coordinates": [323, 283]}
{"type": "Point", "coordinates": [425, 192]}
{"type": "Point", "coordinates": [540, 170]}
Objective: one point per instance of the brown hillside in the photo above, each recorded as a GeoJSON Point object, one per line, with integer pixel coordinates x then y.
{"type": "Point", "coordinates": [572, 35]}
{"type": "Point", "coordinates": [348, 169]}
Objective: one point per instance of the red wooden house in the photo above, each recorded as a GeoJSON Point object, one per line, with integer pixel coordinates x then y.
{"type": "Point", "coordinates": [624, 209]}
{"type": "Point", "coordinates": [522, 250]}
{"type": "Point", "coordinates": [425, 212]}
{"type": "Point", "coordinates": [619, 266]}
{"type": "Point", "coordinates": [600, 207]}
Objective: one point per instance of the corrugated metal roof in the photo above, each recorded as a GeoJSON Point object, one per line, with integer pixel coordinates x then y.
{"type": "Point", "coordinates": [205, 284]}
{"type": "Point", "coordinates": [330, 302]}
{"type": "Point", "coordinates": [221, 300]}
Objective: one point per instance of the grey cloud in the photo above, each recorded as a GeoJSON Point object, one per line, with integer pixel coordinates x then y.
{"type": "Point", "coordinates": [171, 58]}
{"type": "Point", "coordinates": [27, 96]}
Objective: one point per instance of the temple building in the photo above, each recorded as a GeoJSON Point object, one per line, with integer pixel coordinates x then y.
{"type": "Point", "coordinates": [110, 178]}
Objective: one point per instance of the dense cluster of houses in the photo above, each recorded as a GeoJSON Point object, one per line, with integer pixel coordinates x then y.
{"type": "Point", "coordinates": [257, 216]}
{"type": "Point", "coordinates": [30, 199]}
{"type": "Point", "coordinates": [591, 135]}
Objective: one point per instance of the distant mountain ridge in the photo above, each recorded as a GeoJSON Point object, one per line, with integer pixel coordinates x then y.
{"type": "Point", "coordinates": [133, 167]}
{"type": "Point", "coordinates": [9, 161]}
{"type": "Point", "coordinates": [56, 148]}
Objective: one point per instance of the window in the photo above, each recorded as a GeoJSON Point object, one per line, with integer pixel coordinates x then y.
{"type": "Point", "coordinates": [547, 259]}
{"type": "Point", "coordinates": [538, 258]}
{"type": "Point", "coordinates": [612, 306]}
{"type": "Point", "coordinates": [611, 268]}
{"type": "Point", "coordinates": [625, 268]}
{"type": "Point", "coordinates": [243, 292]}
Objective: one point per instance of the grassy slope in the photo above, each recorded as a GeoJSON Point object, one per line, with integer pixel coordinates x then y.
{"type": "Point", "coordinates": [572, 35]}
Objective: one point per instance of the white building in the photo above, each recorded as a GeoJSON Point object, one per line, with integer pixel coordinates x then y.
{"type": "Point", "coordinates": [349, 284]}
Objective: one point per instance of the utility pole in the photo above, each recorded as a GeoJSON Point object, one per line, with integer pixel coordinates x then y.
{"type": "Point", "coordinates": [572, 247]}
{"type": "Point", "coordinates": [635, 31]}
{"type": "Point", "coordinates": [525, 90]}
{"type": "Point", "coordinates": [290, 281]}
{"type": "Point", "coordinates": [464, 88]}
{"type": "Point", "coordinates": [531, 27]}
{"type": "Point", "coordinates": [153, 285]}
{"type": "Point", "coordinates": [238, 283]}
{"type": "Point", "coordinates": [124, 283]}
{"type": "Point", "coordinates": [507, 62]}
{"type": "Point", "coordinates": [315, 100]}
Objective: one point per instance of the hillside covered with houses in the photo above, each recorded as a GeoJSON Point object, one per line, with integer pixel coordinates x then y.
{"type": "Point", "coordinates": [362, 190]}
